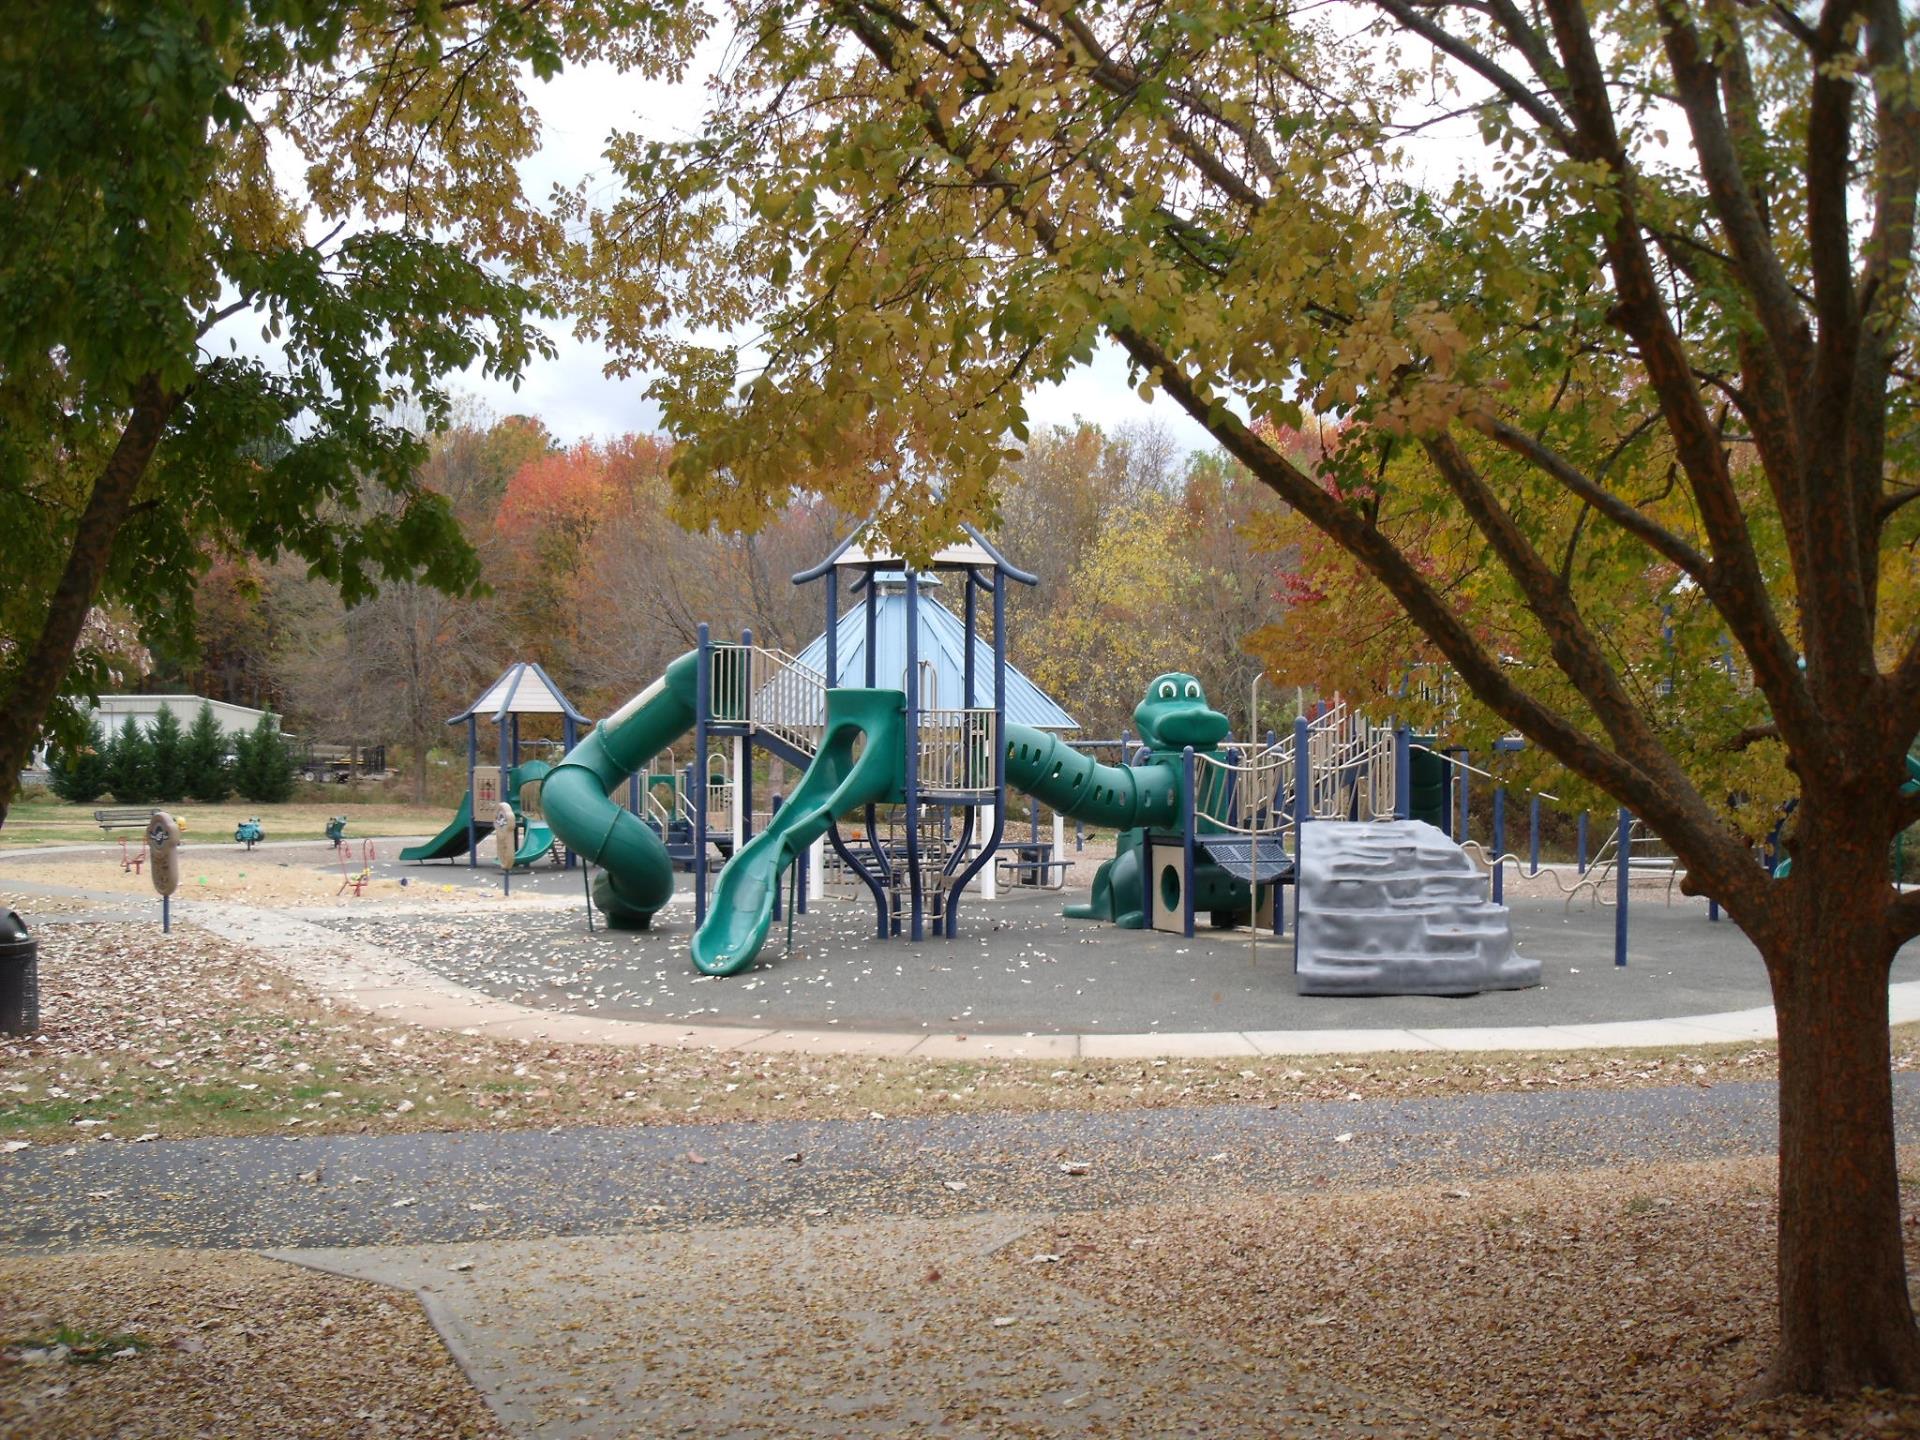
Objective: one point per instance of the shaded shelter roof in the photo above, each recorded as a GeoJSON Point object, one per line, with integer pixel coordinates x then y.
{"type": "Point", "coordinates": [971, 551]}
{"type": "Point", "coordinates": [942, 654]}
{"type": "Point", "coordinates": [525, 689]}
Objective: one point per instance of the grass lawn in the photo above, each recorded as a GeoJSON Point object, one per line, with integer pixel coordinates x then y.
{"type": "Point", "coordinates": [46, 821]}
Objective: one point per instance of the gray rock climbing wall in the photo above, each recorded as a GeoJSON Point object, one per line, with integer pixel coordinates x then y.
{"type": "Point", "coordinates": [1396, 908]}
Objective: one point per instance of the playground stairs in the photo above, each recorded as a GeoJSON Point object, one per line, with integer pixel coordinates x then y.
{"type": "Point", "coordinates": [1396, 908]}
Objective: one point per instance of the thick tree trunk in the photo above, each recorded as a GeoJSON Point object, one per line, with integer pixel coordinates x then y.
{"type": "Point", "coordinates": [1846, 1321]}
{"type": "Point", "coordinates": [45, 669]}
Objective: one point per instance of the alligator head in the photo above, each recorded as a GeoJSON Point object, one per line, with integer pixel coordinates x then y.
{"type": "Point", "coordinates": [1175, 714]}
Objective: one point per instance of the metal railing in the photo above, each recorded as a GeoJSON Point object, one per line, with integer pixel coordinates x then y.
{"type": "Point", "coordinates": [1248, 794]}
{"type": "Point", "coordinates": [1352, 767]}
{"type": "Point", "coordinates": [956, 752]}
{"type": "Point", "coordinates": [787, 697]}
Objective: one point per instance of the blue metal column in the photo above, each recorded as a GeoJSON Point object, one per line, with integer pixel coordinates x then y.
{"type": "Point", "coordinates": [916, 899]}
{"type": "Point", "coordinates": [1302, 789]}
{"type": "Point", "coordinates": [1465, 817]}
{"type": "Point", "coordinates": [1499, 843]}
{"type": "Point", "coordinates": [1623, 855]}
{"type": "Point", "coordinates": [743, 782]}
{"type": "Point", "coordinates": [950, 918]}
{"type": "Point", "coordinates": [1188, 809]}
{"type": "Point", "coordinates": [773, 818]}
{"type": "Point", "coordinates": [1533, 836]}
{"type": "Point", "coordinates": [833, 629]}
{"type": "Point", "coordinates": [1580, 854]}
{"type": "Point", "coordinates": [702, 717]}
{"type": "Point", "coordinates": [1402, 775]}
{"type": "Point", "coordinates": [502, 724]}
{"type": "Point", "coordinates": [473, 761]}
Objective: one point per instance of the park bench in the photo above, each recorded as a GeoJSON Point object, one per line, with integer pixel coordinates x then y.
{"type": "Point", "coordinates": [1031, 866]}
{"type": "Point", "coordinates": [131, 817]}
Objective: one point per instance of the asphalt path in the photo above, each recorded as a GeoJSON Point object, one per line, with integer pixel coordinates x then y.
{"type": "Point", "coordinates": [275, 1192]}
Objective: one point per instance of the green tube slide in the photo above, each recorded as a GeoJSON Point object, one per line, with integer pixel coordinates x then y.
{"type": "Point", "coordinates": [1081, 788]}
{"type": "Point", "coordinates": [1130, 798]}
{"type": "Point", "coordinates": [837, 781]}
{"type": "Point", "coordinates": [637, 876]}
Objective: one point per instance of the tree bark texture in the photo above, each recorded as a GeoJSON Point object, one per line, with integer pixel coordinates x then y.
{"type": "Point", "coordinates": [1845, 1318]}
{"type": "Point", "coordinates": [45, 668]}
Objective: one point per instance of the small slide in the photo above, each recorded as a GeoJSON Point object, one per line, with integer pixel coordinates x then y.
{"type": "Point", "coordinates": [534, 844]}
{"type": "Point", "coordinates": [741, 911]}
{"type": "Point", "coordinates": [451, 841]}
{"type": "Point", "coordinates": [637, 875]}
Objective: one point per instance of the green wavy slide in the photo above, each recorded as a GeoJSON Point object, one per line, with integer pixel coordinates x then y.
{"type": "Point", "coordinates": [637, 875]}
{"type": "Point", "coordinates": [838, 780]}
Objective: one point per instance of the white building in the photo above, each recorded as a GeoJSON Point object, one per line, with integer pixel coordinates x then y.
{"type": "Point", "coordinates": [113, 710]}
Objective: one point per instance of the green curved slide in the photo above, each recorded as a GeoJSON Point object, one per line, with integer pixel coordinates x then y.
{"type": "Point", "coordinates": [636, 877]}
{"type": "Point", "coordinates": [451, 841]}
{"type": "Point", "coordinates": [838, 780]}
{"type": "Point", "coordinates": [535, 843]}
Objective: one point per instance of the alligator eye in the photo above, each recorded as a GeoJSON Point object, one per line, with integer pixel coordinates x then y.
{"type": "Point", "coordinates": [1193, 689]}
{"type": "Point", "coordinates": [1168, 690]}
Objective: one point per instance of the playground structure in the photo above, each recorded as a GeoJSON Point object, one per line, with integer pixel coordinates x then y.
{"type": "Point", "coordinates": [523, 689]}
{"type": "Point", "coordinates": [860, 747]}
{"type": "Point", "coordinates": [1205, 825]}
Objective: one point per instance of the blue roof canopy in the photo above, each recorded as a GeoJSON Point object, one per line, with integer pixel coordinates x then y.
{"type": "Point", "coordinates": [942, 653]}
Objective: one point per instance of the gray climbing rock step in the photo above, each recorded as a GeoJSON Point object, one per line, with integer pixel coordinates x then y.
{"type": "Point", "coordinates": [1396, 908]}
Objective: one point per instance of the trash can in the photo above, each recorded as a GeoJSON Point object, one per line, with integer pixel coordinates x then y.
{"type": "Point", "coordinates": [19, 977]}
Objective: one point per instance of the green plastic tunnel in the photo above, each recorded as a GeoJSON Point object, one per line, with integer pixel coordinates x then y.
{"type": "Point", "coordinates": [637, 878]}
{"type": "Point", "coordinates": [1081, 788]}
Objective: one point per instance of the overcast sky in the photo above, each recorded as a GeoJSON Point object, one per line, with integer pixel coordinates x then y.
{"type": "Point", "coordinates": [571, 392]}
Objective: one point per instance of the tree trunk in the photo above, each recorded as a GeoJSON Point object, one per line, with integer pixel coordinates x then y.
{"type": "Point", "coordinates": [44, 670]}
{"type": "Point", "coordinates": [1846, 1321]}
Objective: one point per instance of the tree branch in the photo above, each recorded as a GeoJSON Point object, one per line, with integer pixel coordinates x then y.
{"type": "Point", "coordinates": [40, 675]}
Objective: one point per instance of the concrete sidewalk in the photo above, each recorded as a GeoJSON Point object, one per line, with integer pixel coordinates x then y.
{"type": "Point", "coordinates": [905, 1327]}
{"type": "Point", "coordinates": [409, 1189]}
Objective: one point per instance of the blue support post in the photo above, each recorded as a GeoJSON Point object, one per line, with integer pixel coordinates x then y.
{"type": "Point", "coordinates": [1465, 817]}
{"type": "Point", "coordinates": [772, 818]}
{"type": "Point", "coordinates": [1402, 774]}
{"type": "Point", "coordinates": [833, 629]}
{"type": "Point", "coordinates": [1713, 908]}
{"type": "Point", "coordinates": [633, 793]}
{"type": "Point", "coordinates": [1533, 837]}
{"type": "Point", "coordinates": [743, 782]}
{"type": "Point", "coordinates": [1302, 789]}
{"type": "Point", "coordinates": [917, 899]}
{"type": "Point", "coordinates": [1446, 794]}
{"type": "Point", "coordinates": [570, 737]}
{"type": "Point", "coordinates": [1580, 853]}
{"type": "Point", "coordinates": [702, 717]}
{"type": "Point", "coordinates": [473, 762]}
{"type": "Point", "coordinates": [1186, 845]}
{"type": "Point", "coordinates": [1499, 843]}
{"type": "Point", "coordinates": [990, 842]}
{"type": "Point", "coordinates": [1622, 863]}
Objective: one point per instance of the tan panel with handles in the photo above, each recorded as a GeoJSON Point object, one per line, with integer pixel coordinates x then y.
{"type": "Point", "coordinates": [504, 844]}
{"type": "Point", "coordinates": [163, 852]}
